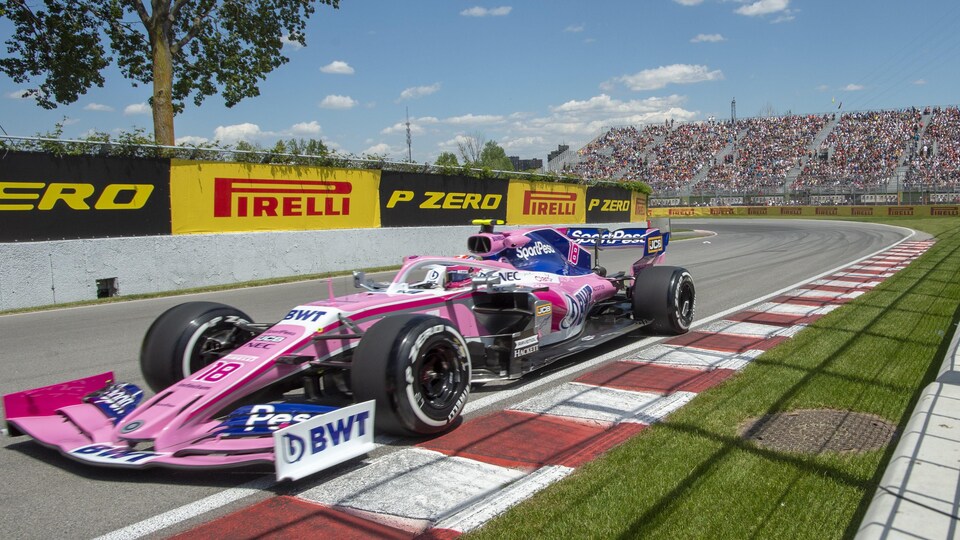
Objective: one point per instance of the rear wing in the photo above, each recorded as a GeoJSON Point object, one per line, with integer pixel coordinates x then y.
{"type": "Point", "coordinates": [652, 241]}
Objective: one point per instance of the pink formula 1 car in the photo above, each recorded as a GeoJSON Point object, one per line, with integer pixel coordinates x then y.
{"type": "Point", "coordinates": [233, 392]}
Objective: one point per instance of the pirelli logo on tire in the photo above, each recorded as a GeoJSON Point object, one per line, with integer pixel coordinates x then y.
{"type": "Point", "coordinates": [229, 197]}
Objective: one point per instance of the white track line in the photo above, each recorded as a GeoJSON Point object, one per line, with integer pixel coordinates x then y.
{"type": "Point", "coordinates": [190, 510]}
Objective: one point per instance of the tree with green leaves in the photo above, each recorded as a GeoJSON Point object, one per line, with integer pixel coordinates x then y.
{"type": "Point", "coordinates": [447, 159]}
{"type": "Point", "coordinates": [477, 152]}
{"type": "Point", "coordinates": [184, 48]}
{"type": "Point", "coordinates": [493, 156]}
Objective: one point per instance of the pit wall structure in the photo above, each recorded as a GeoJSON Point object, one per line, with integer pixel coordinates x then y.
{"type": "Point", "coordinates": [77, 228]}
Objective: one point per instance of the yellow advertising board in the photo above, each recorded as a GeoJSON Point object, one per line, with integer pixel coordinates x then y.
{"type": "Point", "coordinates": [545, 203]}
{"type": "Point", "coordinates": [942, 210]}
{"type": "Point", "coordinates": [211, 197]}
{"type": "Point", "coordinates": [639, 212]}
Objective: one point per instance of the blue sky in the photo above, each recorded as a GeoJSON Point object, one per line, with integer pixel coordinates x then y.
{"type": "Point", "coordinates": [533, 74]}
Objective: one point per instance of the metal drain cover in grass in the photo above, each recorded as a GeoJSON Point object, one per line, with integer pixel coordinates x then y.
{"type": "Point", "coordinates": [818, 430]}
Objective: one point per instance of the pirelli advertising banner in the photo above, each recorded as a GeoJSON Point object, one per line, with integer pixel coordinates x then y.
{"type": "Point", "coordinates": [545, 203]}
{"type": "Point", "coordinates": [942, 210]}
{"type": "Point", "coordinates": [45, 197]}
{"type": "Point", "coordinates": [609, 204]}
{"type": "Point", "coordinates": [210, 197]}
{"type": "Point", "coordinates": [408, 199]}
{"type": "Point", "coordinates": [640, 206]}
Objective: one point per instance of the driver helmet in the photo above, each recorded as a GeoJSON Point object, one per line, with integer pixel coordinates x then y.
{"type": "Point", "coordinates": [459, 276]}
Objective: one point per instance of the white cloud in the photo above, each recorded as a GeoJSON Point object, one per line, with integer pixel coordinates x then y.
{"type": "Point", "coordinates": [137, 108]}
{"type": "Point", "coordinates": [606, 106]}
{"type": "Point", "coordinates": [689, 2]}
{"type": "Point", "coordinates": [762, 7]}
{"type": "Point", "coordinates": [305, 129]}
{"type": "Point", "coordinates": [401, 127]}
{"type": "Point", "coordinates": [518, 145]}
{"type": "Point", "coordinates": [822, 88]}
{"type": "Point", "coordinates": [920, 82]}
{"type": "Point", "coordinates": [654, 79]}
{"type": "Point", "coordinates": [454, 142]}
{"type": "Point", "coordinates": [191, 140]}
{"type": "Point", "coordinates": [581, 120]}
{"type": "Point", "coordinates": [287, 42]}
{"type": "Point", "coordinates": [419, 91]}
{"type": "Point", "coordinates": [237, 132]}
{"type": "Point", "coordinates": [478, 11]}
{"type": "Point", "coordinates": [852, 87]}
{"type": "Point", "coordinates": [338, 102]}
{"type": "Point", "coordinates": [17, 94]}
{"type": "Point", "coordinates": [574, 122]}
{"type": "Point", "coordinates": [337, 67]}
{"type": "Point", "coordinates": [574, 28]}
{"type": "Point", "coordinates": [707, 38]}
{"type": "Point", "coordinates": [381, 149]}
{"type": "Point", "coordinates": [98, 107]}
{"type": "Point", "coordinates": [474, 119]}
{"type": "Point", "coordinates": [786, 17]}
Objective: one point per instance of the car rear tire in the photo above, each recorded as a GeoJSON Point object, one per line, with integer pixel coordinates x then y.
{"type": "Point", "coordinates": [417, 369]}
{"type": "Point", "coordinates": [666, 296]}
{"type": "Point", "coordinates": [188, 337]}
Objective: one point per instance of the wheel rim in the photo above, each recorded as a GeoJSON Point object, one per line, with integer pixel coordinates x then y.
{"type": "Point", "coordinates": [439, 376]}
{"type": "Point", "coordinates": [685, 304]}
{"type": "Point", "coordinates": [208, 344]}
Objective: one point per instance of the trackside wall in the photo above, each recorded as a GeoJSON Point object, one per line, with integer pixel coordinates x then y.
{"type": "Point", "coordinates": [82, 227]}
{"type": "Point", "coordinates": [43, 273]}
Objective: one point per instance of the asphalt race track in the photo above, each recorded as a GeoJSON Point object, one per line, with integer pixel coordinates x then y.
{"type": "Point", "coordinates": [46, 495]}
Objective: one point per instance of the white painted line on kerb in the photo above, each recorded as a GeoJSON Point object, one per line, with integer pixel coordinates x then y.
{"type": "Point", "coordinates": [194, 509]}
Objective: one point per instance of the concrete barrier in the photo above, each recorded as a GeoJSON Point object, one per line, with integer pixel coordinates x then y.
{"type": "Point", "coordinates": [919, 494]}
{"type": "Point", "coordinates": [44, 273]}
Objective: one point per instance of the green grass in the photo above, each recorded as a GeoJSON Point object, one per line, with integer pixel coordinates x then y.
{"type": "Point", "coordinates": [691, 476]}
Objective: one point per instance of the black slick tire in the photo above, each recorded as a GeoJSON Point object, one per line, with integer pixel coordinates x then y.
{"type": "Point", "coordinates": [186, 338]}
{"type": "Point", "coordinates": [417, 369]}
{"type": "Point", "coordinates": [666, 296]}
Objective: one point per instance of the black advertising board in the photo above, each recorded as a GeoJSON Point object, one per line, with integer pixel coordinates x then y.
{"type": "Point", "coordinates": [46, 197]}
{"type": "Point", "coordinates": [608, 204]}
{"type": "Point", "coordinates": [410, 199]}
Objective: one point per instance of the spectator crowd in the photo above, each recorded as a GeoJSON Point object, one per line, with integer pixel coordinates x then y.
{"type": "Point", "coordinates": [763, 156]}
{"type": "Point", "coordinates": [863, 150]}
{"type": "Point", "coordinates": [769, 155]}
{"type": "Point", "coordinates": [935, 160]}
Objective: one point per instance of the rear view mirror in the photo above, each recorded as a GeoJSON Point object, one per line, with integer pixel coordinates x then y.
{"type": "Point", "coordinates": [490, 279]}
{"type": "Point", "coordinates": [361, 281]}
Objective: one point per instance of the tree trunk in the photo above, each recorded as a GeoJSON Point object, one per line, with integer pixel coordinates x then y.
{"type": "Point", "coordinates": [162, 86]}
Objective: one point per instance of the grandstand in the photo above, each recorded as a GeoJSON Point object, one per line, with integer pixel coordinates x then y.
{"type": "Point", "coordinates": [837, 158]}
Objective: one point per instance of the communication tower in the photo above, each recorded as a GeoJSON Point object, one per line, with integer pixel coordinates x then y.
{"type": "Point", "coordinates": [409, 140]}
